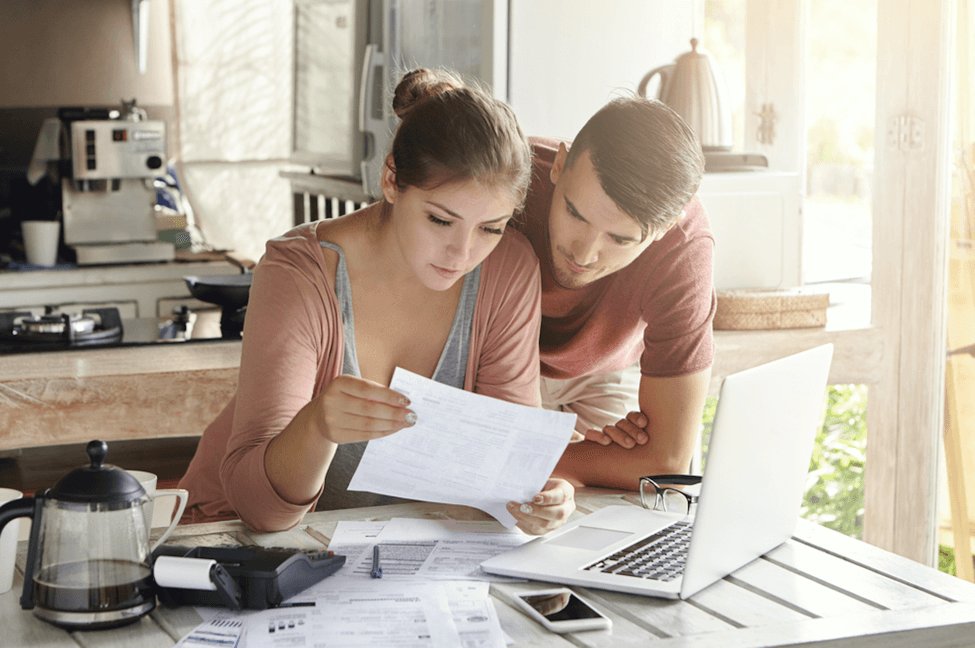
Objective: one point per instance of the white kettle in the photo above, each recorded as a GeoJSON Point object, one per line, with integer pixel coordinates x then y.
{"type": "Point", "coordinates": [692, 86]}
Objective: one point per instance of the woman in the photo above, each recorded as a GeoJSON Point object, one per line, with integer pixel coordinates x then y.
{"type": "Point", "coordinates": [427, 279]}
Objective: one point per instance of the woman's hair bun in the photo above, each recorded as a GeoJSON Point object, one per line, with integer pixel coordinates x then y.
{"type": "Point", "coordinates": [419, 84]}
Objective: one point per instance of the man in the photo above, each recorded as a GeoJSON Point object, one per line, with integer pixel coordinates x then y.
{"type": "Point", "coordinates": [627, 292]}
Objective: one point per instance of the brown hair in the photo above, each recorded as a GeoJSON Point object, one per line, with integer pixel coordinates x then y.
{"type": "Point", "coordinates": [647, 159]}
{"type": "Point", "coordinates": [451, 131]}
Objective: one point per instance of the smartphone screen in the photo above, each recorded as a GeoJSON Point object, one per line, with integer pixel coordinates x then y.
{"type": "Point", "coordinates": [561, 606]}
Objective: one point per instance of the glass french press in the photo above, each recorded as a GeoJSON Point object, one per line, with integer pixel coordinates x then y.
{"type": "Point", "coordinates": [87, 559]}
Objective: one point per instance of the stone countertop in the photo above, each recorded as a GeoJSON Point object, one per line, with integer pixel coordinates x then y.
{"type": "Point", "coordinates": [122, 361]}
{"type": "Point", "coordinates": [144, 392]}
{"type": "Point", "coordinates": [159, 390]}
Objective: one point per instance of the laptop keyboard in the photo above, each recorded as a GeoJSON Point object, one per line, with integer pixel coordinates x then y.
{"type": "Point", "coordinates": [659, 556]}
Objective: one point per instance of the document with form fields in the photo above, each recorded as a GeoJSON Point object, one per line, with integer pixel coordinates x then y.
{"type": "Point", "coordinates": [465, 448]}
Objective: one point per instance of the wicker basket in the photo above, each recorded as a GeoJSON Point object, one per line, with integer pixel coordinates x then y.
{"type": "Point", "coordinates": [770, 309]}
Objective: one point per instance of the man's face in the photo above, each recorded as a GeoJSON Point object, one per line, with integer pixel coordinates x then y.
{"type": "Point", "coordinates": [590, 236]}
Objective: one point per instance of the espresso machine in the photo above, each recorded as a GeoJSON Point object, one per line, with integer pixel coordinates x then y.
{"type": "Point", "coordinates": [109, 160]}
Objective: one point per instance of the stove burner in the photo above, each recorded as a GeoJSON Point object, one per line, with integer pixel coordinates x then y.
{"type": "Point", "coordinates": [56, 323]}
{"type": "Point", "coordinates": [53, 330]}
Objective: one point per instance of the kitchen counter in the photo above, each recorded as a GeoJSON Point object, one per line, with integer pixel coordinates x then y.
{"type": "Point", "coordinates": [168, 390]}
{"type": "Point", "coordinates": [136, 289]}
{"type": "Point", "coordinates": [154, 391]}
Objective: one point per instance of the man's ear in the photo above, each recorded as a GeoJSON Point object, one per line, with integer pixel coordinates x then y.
{"type": "Point", "coordinates": [387, 181]}
{"type": "Point", "coordinates": [659, 235]}
{"type": "Point", "coordinates": [558, 166]}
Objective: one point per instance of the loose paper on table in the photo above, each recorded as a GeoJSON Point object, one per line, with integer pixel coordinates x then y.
{"type": "Point", "coordinates": [417, 549]}
{"type": "Point", "coordinates": [464, 449]}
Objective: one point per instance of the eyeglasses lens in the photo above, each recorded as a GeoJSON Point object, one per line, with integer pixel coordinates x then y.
{"type": "Point", "coordinates": [648, 494]}
{"type": "Point", "coordinates": [673, 501]}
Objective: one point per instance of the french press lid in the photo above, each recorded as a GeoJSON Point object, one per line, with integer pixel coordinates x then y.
{"type": "Point", "coordinates": [98, 482]}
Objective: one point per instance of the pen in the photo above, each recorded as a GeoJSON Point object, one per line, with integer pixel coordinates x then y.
{"type": "Point", "coordinates": [377, 571]}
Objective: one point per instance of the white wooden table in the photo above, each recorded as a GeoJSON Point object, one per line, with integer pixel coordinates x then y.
{"type": "Point", "coordinates": [818, 589]}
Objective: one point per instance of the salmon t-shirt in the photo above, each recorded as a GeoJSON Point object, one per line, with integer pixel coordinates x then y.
{"type": "Point", "coordinates": [658, 309]}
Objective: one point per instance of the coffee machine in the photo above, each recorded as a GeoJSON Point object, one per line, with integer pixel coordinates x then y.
{"type": "Point", "coordinates": [108, 164]}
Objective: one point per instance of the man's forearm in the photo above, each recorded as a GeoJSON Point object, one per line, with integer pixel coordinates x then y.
{"type": "Point", "coordinates": [672, 407]}
{"type": "Point", "coordinates": [613, 466]}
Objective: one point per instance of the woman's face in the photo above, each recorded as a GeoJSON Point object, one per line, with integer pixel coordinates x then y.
{"type": "Point", "coordinates": [445, 232]}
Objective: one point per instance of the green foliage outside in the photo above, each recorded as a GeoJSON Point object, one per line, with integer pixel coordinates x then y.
{"type": "Point", "coordinates": [946, 560]}
{"type": "Point", "coordinates": [834, 486]}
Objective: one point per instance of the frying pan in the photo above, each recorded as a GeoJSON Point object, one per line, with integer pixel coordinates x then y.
{"type": "Point", "coordinates": [227, 291]}
{"type": "Point", "coordinates": [230, 292]}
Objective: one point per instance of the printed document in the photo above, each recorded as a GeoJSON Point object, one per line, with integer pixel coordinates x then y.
{"type": "Point", "coordinates": [417, 549]}
{"type": "Point", "coordinates": [383, 613]}
{"type": "Point", "coordinates": [465, 449]}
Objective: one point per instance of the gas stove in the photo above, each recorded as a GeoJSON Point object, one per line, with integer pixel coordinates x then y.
{"type": "Point", "coordinates": [58, 330]}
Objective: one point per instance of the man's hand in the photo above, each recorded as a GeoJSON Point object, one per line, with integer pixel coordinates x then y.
{"type": "Point", "coordinates": [673, 406]}
{"type": "Point", "coordinates": [627, 432]}
{"type": "Point", "coordinates": [548, 510]}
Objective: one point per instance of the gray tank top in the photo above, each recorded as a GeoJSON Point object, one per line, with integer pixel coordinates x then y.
{"type": "Point", "coordinates": [451, 369]}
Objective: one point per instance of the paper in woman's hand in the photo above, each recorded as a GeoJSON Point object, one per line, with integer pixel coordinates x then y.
{"type": "Point", "coordinates": [464, 449]}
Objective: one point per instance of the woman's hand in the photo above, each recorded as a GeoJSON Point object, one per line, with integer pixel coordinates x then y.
{"type": "Point", "coordinates": [627, 432]}
{"type": "Point", "coordinates": [353, 409]}
{"type": "Point", "coordinates": [548, 510]}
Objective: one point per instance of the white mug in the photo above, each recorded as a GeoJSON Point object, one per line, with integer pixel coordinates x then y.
{"type": "Point", "coordinates": [148, 481]}
{"type": "Point", "coordinates": [8, 542]}
{"type": "Point", "coordinates": [41, 241]}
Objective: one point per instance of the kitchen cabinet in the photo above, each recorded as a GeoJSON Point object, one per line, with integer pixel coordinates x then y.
{"type": "Point", "coordinates": [138, 290]}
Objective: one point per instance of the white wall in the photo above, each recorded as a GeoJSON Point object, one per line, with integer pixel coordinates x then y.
{"type": "Point", "coordinates": [235, 117]}
{"type": "Point", "coordinates": [81, 53]}
{"type": "Point", "coordinates": [569, 57]}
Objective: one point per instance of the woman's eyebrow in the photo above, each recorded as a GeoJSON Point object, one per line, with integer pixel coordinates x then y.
{"type": "Point", "coordinates": [458, 216]}
{"type": "Point", "coordinates": [445, 209]}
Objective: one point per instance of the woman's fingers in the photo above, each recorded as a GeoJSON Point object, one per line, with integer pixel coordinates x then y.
{"type": "Point", "coordinates": [348, 405]}
{"type": "Point", "coordinates": [369, 390]}
{"type": "Point", "coordinates": [355, 409]}
{"type": "Point", "coordinates": [547, 510]}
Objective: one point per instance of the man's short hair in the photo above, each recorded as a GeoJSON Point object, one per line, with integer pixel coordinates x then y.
{"type": "Point", "coordinates": [647, 159]}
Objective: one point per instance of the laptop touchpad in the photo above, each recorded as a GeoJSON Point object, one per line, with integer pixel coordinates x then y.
{"type": "Point", "coordinates": [586, 537]}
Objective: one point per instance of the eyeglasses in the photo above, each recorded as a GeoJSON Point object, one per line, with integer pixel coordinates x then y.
{"type": "Point", "coordinates": [657, 494]}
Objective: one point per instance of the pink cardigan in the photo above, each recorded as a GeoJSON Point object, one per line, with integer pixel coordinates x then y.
{"type": "Point", "coordinates": [293, 348]}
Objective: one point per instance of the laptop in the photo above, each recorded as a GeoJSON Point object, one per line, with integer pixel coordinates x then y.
{"type": "Point", "coordinates": [752, 487]}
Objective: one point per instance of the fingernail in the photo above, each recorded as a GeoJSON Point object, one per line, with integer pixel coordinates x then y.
{"type": "Point", "coordinates": [526, 508]}
{"type": "Point", "coordinates": [643, 438]}
{"type": "Point", "coordinates": [512, 505]}
{"type": "Point", "coordinates": [404, 401]}
{"type": "Point", "coordinates": [538, 499]}
{"type": "Point", "coordinates": [628, 443]}
{"type": "Point", "coordinates": [411, 418]}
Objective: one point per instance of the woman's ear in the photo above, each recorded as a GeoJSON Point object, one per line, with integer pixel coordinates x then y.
{"type": "Point", "coordinates": [387, 181]}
